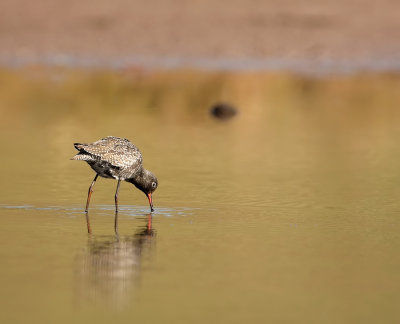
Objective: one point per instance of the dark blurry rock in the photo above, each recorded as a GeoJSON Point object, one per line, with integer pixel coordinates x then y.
{"type": "Point", "coordinates": [223, 111]}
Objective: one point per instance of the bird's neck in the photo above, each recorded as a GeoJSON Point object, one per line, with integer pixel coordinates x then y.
{"type": "Point", "coordinates": [139, 179]}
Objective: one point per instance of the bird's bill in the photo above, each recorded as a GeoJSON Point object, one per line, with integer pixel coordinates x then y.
{"type": "Point", "coordinates": [150, 201]}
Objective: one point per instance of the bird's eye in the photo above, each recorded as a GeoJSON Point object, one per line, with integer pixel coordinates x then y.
{"type": "Point", "coordinates": [154, 184]}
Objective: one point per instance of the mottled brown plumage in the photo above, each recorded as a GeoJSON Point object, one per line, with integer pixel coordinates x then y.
{"type": "Point", "coordinates": [117, 158]}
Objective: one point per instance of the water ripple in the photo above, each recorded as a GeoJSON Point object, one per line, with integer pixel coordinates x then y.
{"type": "Point", "coordinates": [123, 210]}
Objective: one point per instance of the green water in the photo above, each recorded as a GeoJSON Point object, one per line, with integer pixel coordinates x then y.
{"type": "Point", "coordinates": [287, 213]}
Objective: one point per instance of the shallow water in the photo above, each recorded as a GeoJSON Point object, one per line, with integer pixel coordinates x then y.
{"type": "Point", "coordinates": [287, 213]}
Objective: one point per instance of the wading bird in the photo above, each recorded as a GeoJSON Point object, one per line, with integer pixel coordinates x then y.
{"type": "Point", "coordinates": [117, 158]}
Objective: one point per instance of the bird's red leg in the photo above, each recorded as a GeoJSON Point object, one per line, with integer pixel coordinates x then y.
{"type": "Point", "coordinates": [116, 196]}
{"type": "Point", "coordinates": [116, 223]}
{"type": "Point", "coordinates": [116, 208]}
{"type": "Point", "coordinates": [88, 223]}
{"type": "Point", "coordinates": [90, 193]}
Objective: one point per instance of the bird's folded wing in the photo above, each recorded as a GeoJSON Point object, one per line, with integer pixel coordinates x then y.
{"type": "Point", "coordinates": [119, 152]}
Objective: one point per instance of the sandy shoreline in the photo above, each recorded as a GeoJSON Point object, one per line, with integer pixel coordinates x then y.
{"type": "Point", "coordinates": [266, 35]}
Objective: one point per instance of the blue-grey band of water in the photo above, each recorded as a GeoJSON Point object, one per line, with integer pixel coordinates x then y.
{"type": "Point", "coordinates": [298, 65]}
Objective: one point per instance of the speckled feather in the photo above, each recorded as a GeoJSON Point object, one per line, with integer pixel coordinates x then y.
{"type": "Point", "coordinates": [111, 157]}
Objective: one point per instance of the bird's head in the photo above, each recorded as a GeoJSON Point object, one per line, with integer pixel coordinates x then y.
{"type": "Point", "coordinates": [147, 182]}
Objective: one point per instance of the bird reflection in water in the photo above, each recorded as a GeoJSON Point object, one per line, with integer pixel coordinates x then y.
{"type": "Point", "coordinates": [110, 268]}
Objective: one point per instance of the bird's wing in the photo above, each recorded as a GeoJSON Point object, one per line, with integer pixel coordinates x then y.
{"type": "Point", "coordinates": [117, 151]}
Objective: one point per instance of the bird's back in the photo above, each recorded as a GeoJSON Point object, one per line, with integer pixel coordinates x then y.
{"type": "Point", "coordinates": [116, 152]}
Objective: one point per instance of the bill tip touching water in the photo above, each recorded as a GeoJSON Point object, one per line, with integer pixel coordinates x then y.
{"type": "Point", "coordinates": [117, 158]}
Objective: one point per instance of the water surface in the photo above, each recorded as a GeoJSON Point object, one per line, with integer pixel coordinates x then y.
{"type": "Point", "coordinates": [287, 213]}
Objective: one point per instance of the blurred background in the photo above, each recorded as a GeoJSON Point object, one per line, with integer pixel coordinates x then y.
{"type": "Point", "coordinates": [256, 34]}
{"type": "Point", "coordinates": [272, 127]}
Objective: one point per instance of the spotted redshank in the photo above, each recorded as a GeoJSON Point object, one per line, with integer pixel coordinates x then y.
{"type": "Point", "coordinates": [117, 158]}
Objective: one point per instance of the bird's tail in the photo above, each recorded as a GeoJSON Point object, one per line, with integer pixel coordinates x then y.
{"type": "Point", "coordinates": [78, 146]}
{"type": "Point", "coordinates": [82, 157]}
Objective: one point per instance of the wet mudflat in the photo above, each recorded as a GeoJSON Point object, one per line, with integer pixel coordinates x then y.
{"type": "Point", "coordinates": [288, 212]}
